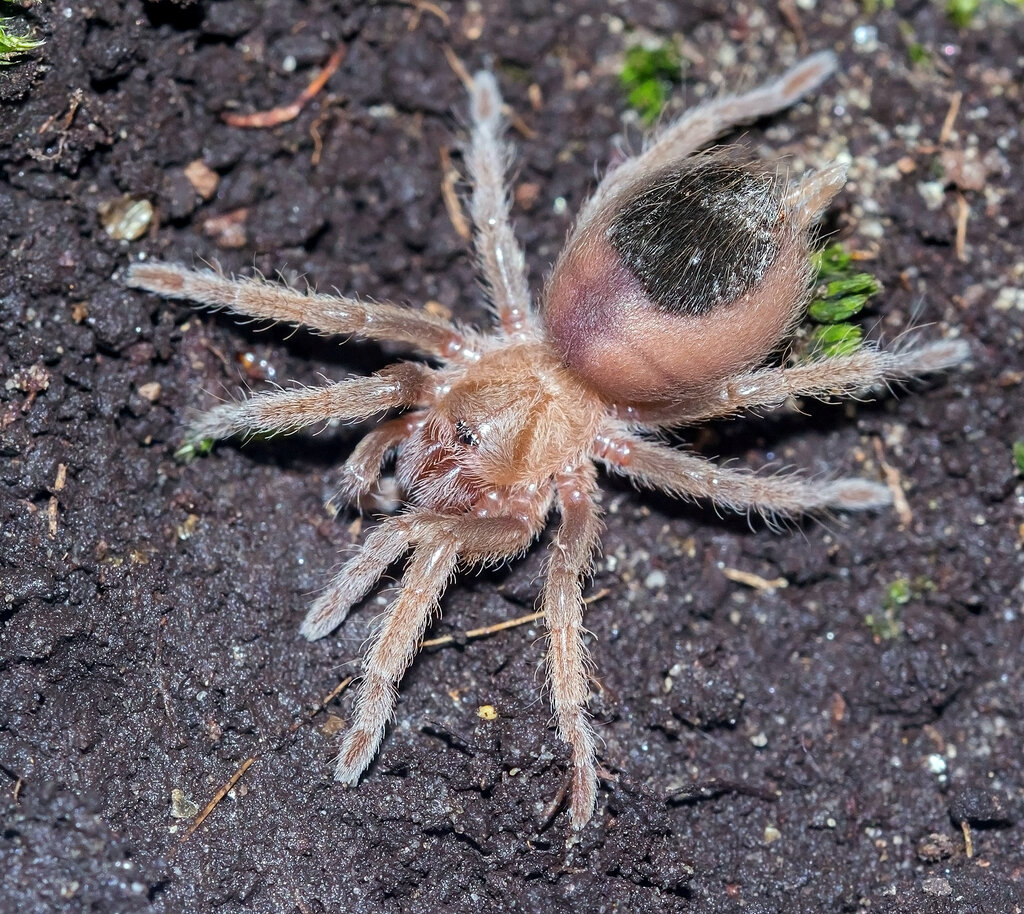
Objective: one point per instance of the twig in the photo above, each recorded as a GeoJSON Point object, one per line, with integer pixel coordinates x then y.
{"type": "Point", "coordinates": [425, 6]}
{"type": "Point", "coordinates": [486, 630]}
{"type": "Point", "coordinates": [554, 807]}
{"type": "Point", "coordinates": [73, 103]}
{"type": "Point", "coordinates": [512, 116]}
{"type": "Point", "coordinates": [965, 827]}
{"type": "Point", "coordinates": [754, 580]}
{"type": "Point", "coordinates": [449, 175]}
{"type": "Point", "coordinates": [458, 67]}
{"type": "Point", "coordinates": [218, 796]}
{"type": "Point", "coordinates": [507, 624]}
{"type": "Point", "coordinates": [716, 787]}
{"type": "Point", "coordinates": [894, 481]}
{"type": "Point", "coordinates": [789, 12]}
{"type": "Point", "coordinates": [285, 113]}
{"type": "Point", "coordinates": [52, 513]}
{"type": "Point", "coordinates": [950, 119]}
{"type": "Point", "coordinates": [963, 211]}
{"type": "Point", "coordinates": [334, 693]}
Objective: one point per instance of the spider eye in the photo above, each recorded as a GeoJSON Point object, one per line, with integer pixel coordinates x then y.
{"type": "Point", "coordinates": [466, 434]}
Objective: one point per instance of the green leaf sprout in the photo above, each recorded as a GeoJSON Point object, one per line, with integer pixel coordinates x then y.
{"type": "Point", "coordinates": [839, 295]}
{"type": "Point", "coordinates": [1018, 455]}
{"type": "Point", "coordinates": [14, 43]}
{"type": "Point", "coordinates": [648, 76]}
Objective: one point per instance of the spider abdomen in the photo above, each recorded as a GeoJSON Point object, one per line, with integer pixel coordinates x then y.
{"type": "Point", "coordinates": [694, 274]}
{"type": "Point", "coordinates": [699, 237]}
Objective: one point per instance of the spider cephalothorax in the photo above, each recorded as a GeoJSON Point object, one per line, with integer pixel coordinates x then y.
{"type": "Point", "coordinates": [682, 275]}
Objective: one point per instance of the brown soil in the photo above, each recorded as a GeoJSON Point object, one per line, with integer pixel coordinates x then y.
{"type": "Point", "coordinates": [765, 750]}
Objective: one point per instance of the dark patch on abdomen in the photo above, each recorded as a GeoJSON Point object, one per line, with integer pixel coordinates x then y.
{"type": "Point", "coordinates": [700, 236]}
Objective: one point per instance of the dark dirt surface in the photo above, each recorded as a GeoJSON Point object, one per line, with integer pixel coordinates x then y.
{"type": "Point", "coordinates": [149, 609]}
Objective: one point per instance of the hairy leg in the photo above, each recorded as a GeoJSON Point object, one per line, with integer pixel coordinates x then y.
{"type": "Point", "coordinates": [683, 475]}
{"type": "Point", "coordinates": [394, 644]}
{"type": "Point", "coordinates": [808, 197]}
{"type": "Point", "coordinates": [384, 546]}
{"type": "Point", "coordinates": [700, 126]}
{"type": "Point", "coordinates": [331, 314]}
{"type": "Point", "coordinates": [843, 375]}
{"type": "Point", "coordinates": [500, 255]}
{"type": "Point", "coordinates": [567, 659]}
{"type": "Point", "coordinates": [512, 524]}
{"type": "Point", "coordinates": [401, 385]}
{"type": "Point", "coordinates": [361, 471]}
{"type": "Point", "coordinates": [441, 540]}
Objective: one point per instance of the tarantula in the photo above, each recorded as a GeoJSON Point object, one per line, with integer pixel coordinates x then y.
{"type": "Point", "coordinates": [682, 275]}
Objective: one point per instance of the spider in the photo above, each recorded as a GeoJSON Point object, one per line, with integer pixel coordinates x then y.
{"type": "Point", "coordinates": [683, 273]}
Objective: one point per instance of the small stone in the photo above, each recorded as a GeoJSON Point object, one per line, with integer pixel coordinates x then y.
{"type": "Point", "coordinates": [964, 168]}
{"type": "Point", "coordinates": [937, 886]}
{"type": "Point", "coordinates": [655, 580]}
{"type": "Point", "coordinates": [202, 178]}
{"type": "Point", "coordinates": [181, 806]}
{"type": "Point", "coordinates": [935, 847]}
{"type": "Point", "coordinates": [979, 806]}
{"type": "Point", "coordinates": [126, 218]}
{"type": "Point", "coordinates": [228, 230]}
{"type": "Point", "coordinates": [906, 165]}
{"type": "Point", "coordinates": [150, 391]}
{"type": "Point", "coordinates": [1009, 297]}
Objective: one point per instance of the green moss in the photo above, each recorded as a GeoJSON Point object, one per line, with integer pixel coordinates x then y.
{"type": "Point", "coordinates": [190, 450]}
{"type": "Point", "coordinates": [647, 77]}
{"type": "Point", "coordinates": [962, 12]}
{"type": "Point", "coordinates": [14, 40]}
{"type": "Point", "coordinates": [835, 339]}
{"type": "Point", "coordinates": [839, 294]}
{"type": "Point", "coordinates": [888, 624]}
{"type": "Point", "coordinates": [918, 53]}
{"type": "Point", "coordinates": [1018, 455]}
{"type": "Point", "coordinates": [830, 261]}
{"type": "Point", "coordinates": [843, 298]}
{"type": "Point", "coordinates": [898, 593]}
{"type": "Point", "coordinates": [886, 627]}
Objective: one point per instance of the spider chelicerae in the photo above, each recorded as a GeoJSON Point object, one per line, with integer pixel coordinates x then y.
{"type": "Point", "coordinates": [683, 274]}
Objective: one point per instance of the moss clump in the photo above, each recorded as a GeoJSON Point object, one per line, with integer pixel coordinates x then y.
{"type": "Point", "coordinates": [13, 40]}
{"type": "Point", "coordinates": [837, 339]}
{"type": "Point", "coordinates": [647, 77]}
{"type": "Point", "coordinates": [840, 292]}
{"type": "Point", "coordinates": [1018, 455]}
{"type": "Point", "coordinates": [961, 12]}
{"type": "Point", "coordinates": [888, 624]}
{"type": "Point", "coordinates": [190, 450]}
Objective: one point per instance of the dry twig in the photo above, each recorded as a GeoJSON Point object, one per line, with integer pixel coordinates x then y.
{"type": "Point", "coordinates": [217, 797]}
{"type": "Point", "coordinates": [285, 113]}
{"type": "Point", "coordinates": [895, 483]}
